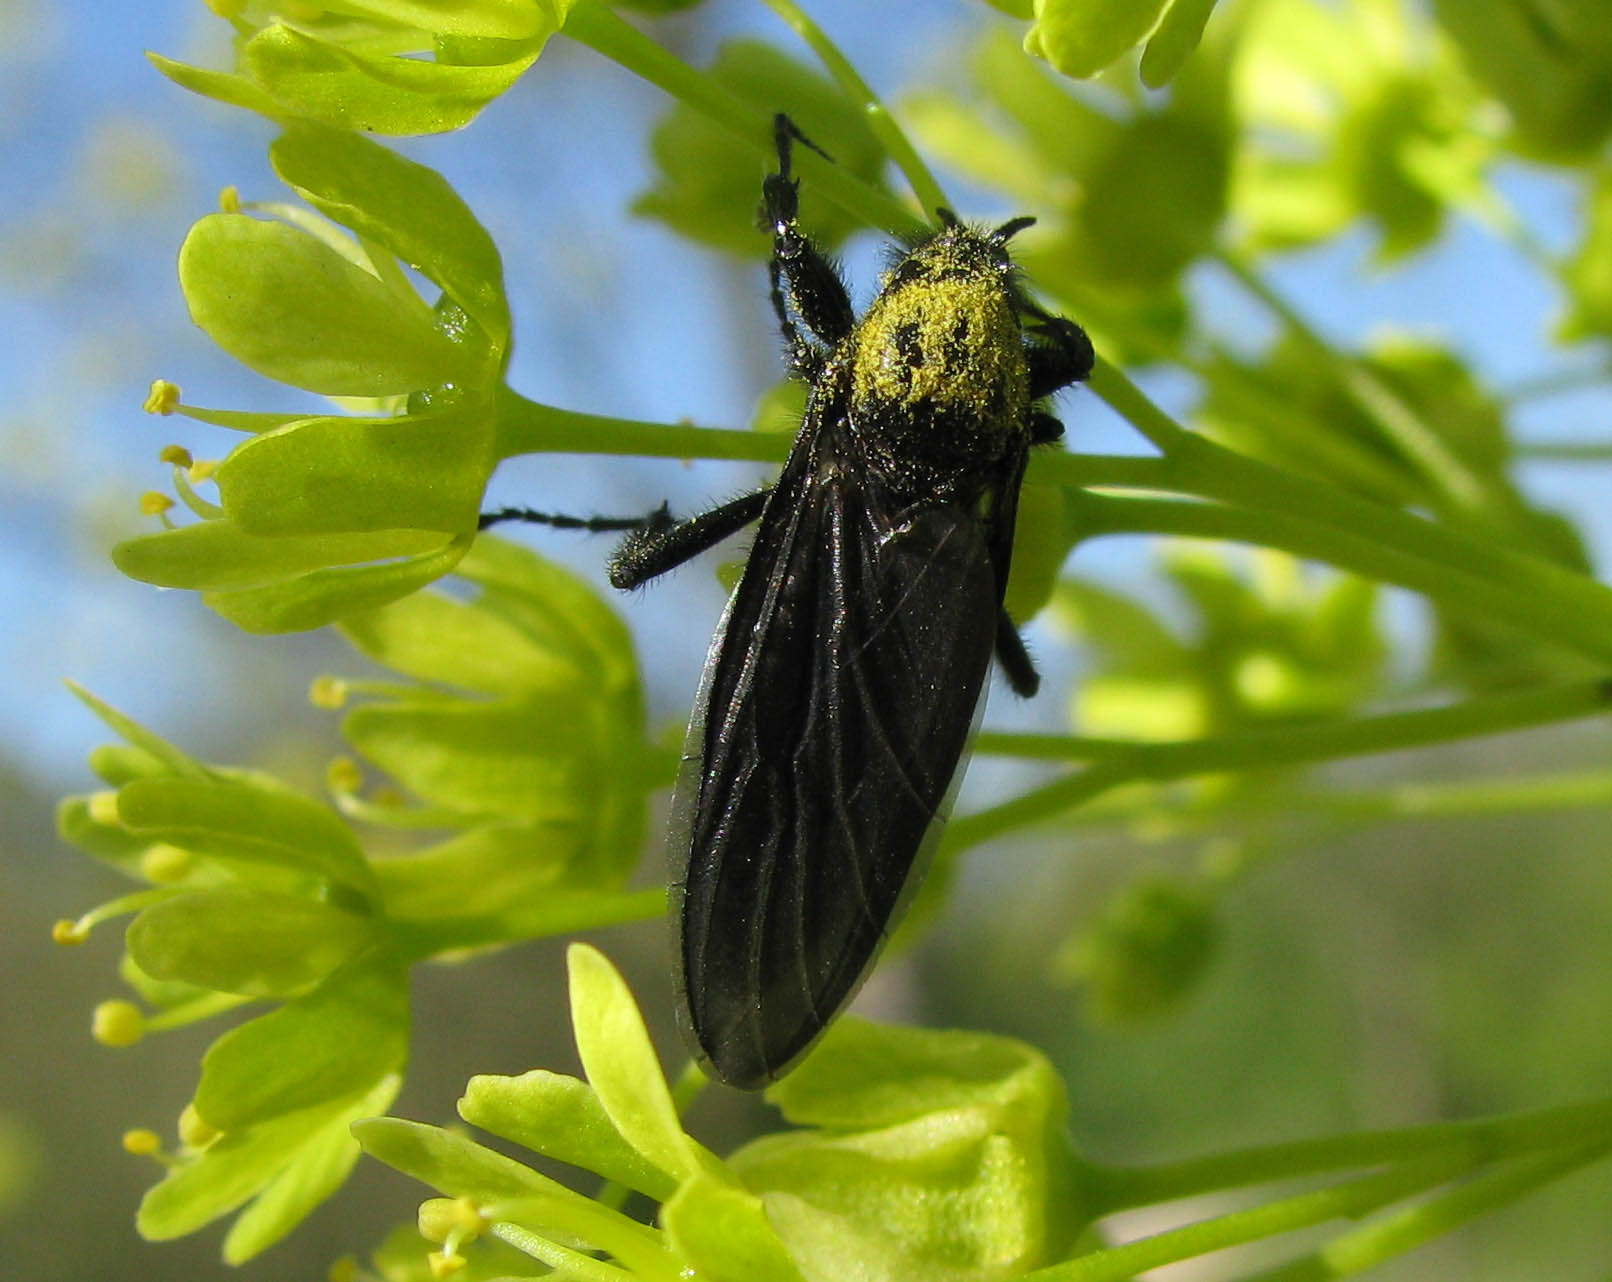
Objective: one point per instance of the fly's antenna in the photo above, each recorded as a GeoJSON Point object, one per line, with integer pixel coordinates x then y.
{"type": "Point", "coordinates": [1012, 228]}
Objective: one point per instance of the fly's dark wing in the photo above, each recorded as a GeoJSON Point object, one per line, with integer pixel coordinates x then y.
{"type": "Point", "coordinates": [837, 704]}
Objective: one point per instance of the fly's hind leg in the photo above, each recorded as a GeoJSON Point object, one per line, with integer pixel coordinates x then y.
{"type": "Point", "coordinates": [561, 521]}
{"type": "Point", "coordinates": [1014, 659]}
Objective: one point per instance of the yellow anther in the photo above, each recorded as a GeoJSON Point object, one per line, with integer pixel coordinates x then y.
{"type": "Point", "coordinates": [177, 455]}
{"type": "Point", "coordinates": [117, 1023]}
{"type": "Point", "coordinates": [162, 398]}
{"type": "Point", "coordinates": [141, 1142]}
{"type": "Point", "coordinates": [68, 932]}
{"type": "Point", "coordinates": [229, 200]}
{"type": "Point", "coordinates": [327, 692]}
{"type": "Point", "coordinates": [154, 503]}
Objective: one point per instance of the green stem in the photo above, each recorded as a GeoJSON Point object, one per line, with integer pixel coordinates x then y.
{"type": "Point", "coordinates": [1348, 1200]}
{"type": "Point", "coordinates": [1582, 608]}
{"type": "Point", "coordinates": [1548, 617]}
{"type": "Point", "coordinates": [527, 427]}
{"type": "Point", "coordinates": [1565, 451]}
{"type": "Point", "coordinates": [1117, 765]}
{"type": "Point", "coordinates": [565, 1261]}
{"type": "Point", "coordinates": [1364, 1248]}
{"type": "Point", "coordinates": [1480, 1140]}
{"type": "Point", "coordinates": [427, 938]}
{"type": "Point", "coordinates": [1556, 383]}
{"type": "Point", "coordinates": [593, 24]}
{"type": "Point", "coordinates": [1401, 424]}
{"type": "Point", "coordinates": [1580, 790]}
{"type": "Point", "coordinates": [895, 143]}
{"type": "Point", "coordinates": [1295, 744]}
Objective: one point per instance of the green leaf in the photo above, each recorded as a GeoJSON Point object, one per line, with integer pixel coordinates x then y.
{"type": "Point", "coordinates": [1040, 548]}
{"type": "Point", "coordinates": [236, 1167]}
{"type": "Point", "coordinates": [564, 1217]}
{"type": "Point", "coordinates": [409, 209]}
{"type": "Point", "coordinates": [172, 758]}
{"type": "Point", "coordinates": [307, 76]}
{"type": "Point", "coordinates": [447, 1161]}
{"type": "Point", "coordinates": [1156, 200]}
{"type": "Point", "coordinates": [501, 19]}
{"type": "Point", "coordinates": [706, 185]}
{"type": "Point", "coordinates": [110, 843]}
{"type": "Point", "coordinates": [724, 1231]}
{"type": "Point", "coordinates": [1586, 274]}
{"type": "Point", "coordinates": [1149, 946]}
{"type": "Point", "coordinates": [323, 596]}
{"type": "Point", "coordinates": [423, 471]}
{"type": "Point", "coordinates": [293, 309]}
{"type": "Point", "coordinates": [118, 764]}
{"type": "Point", "coordinates": [1548, 63]}
{"type": "Point", "coordinates": [1123, 631]}
{"type": "Point", "coordinates": [246, 821]}
{"type": "Point", "coordinates": [1081, 37]}
{"type": "Point", "coordinates": [346, 1034]}
{"type": "Point", "coordinates": [560, 612]}
{"type": "Point", "coordinates": [657, 7]}
{"type": "Point", "coordinates": [561, 1117]}
{"type": "Point", "coordinates": [219, 556]}
{"type": "Point", "coordinates": [322, 1166]}
{"type": "Point", "coordinates": [226, 87]}
{"type": "Point", "coordinates": [942, 1157]}
{"type": "Point", "coordinates": [432, 637]}
{"type": "Point", "coordinates": [533, 759]}
{"type": "Point", "coordinates": [1172, 44]}
{"type": "Point", "coordinates": [244, 941]}
{"type": "Point", "coordinates": [482, 645]}
{"type": "Point", "coordinates": [622, 1067]}
{"type": "Point", "coordinates": [864, 1075]}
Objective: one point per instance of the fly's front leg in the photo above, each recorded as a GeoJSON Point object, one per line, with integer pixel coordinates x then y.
{"type": "Point", "coordinates": [1059, 353]}
{"type": "Point", "coordinates": [805, 282]}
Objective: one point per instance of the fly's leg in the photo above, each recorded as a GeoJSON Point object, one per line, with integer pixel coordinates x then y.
{"type": "Point", "coordinates": [805, 283]}
{"type": "Point", "coordinates": [660, 544]}
{"type": "Point", "coordinates": [1059, 354]}
{"type": "Point", "coordinates": [1014, 659]}
{"type": "Point", "coordinates": [559, 521]}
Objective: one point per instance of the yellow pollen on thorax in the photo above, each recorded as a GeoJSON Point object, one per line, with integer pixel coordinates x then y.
{"type": "Point", "coordinates": [951, 344]}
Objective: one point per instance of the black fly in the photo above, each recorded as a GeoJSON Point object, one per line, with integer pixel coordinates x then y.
{"type": "Point", "coordinates": [841, 688]}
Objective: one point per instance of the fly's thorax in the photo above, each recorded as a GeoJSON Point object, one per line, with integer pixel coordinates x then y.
{"type": "Point", "coordinates": [938, 362]}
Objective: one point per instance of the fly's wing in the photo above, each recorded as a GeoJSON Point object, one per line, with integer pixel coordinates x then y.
{"type": "Point", "coordinates": [837, 703]}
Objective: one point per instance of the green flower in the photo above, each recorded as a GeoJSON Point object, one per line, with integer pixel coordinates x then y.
{"type": "Point", "coordinates": [321, 517]}
{"type": "Point", "coordinates": [521, 741]}
{"type": "Point", "coordinates": [924, 1154]}
{"type": "Point", "coordinates": [354, 64]}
